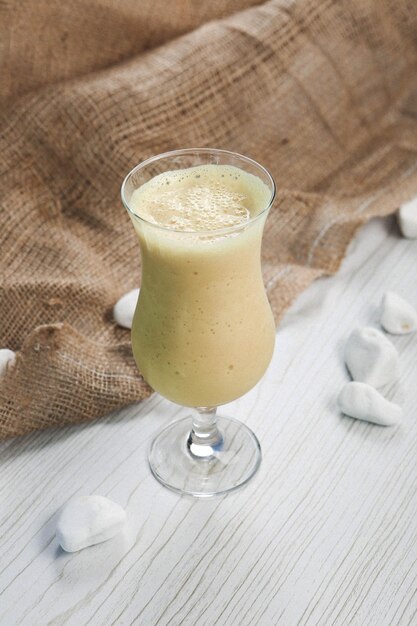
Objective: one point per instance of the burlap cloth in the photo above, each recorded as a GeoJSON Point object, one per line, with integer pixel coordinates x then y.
{"type": "Point", "coordinates": [322, 92]}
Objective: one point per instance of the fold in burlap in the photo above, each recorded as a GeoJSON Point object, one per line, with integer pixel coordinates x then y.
{"type": "Point", "coordinates": [321, 92]}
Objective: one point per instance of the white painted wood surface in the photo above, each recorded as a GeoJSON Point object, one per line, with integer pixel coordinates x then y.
{"type": "Point", "coordinates": [325, 534]}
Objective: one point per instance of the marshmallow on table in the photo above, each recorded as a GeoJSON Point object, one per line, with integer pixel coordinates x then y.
{"type": "Point", "coordinates": [407, 219]}
{"type": "Point", "coordinates": [7, 359]}
{"type": "Point", "coordinates": [124, 308]}
{"type": "Point", "coordinates": [363, 402]}
{"type": "Point", "coordinates": [398, 316]}
{"type": "Point", "coordinates": [88, 520]}
{"type": "Point", "coordinates": [371, 358]}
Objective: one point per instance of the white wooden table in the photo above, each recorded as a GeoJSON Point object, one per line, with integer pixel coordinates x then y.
{"type": "Point", "coordinates": [325, 534]}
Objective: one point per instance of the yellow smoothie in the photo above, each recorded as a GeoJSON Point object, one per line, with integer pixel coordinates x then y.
{"type": "Point", "coordinates": [203, 331]}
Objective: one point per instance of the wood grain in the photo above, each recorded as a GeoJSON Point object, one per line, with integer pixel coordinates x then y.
{"type": "Point", "coordinates": [325, 534]}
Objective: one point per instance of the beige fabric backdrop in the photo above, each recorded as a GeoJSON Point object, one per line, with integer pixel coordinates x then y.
{"type": "Point", "coordinates": [323, 92]}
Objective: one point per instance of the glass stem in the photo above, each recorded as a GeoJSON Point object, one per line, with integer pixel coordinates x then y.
{"type": "Point", "coordinates": [205, 438]}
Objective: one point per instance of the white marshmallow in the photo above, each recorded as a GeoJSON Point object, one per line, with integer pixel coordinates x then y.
{"type": "Point", "coordinates": [398, 316]}
{"type": "Point", "coordinates": [124, 308]}
{"type": "Point", "coordinates": [371, 358]}
{"type": "Point", "coordinates": [88, 520]}
{"type": "Point", "coordinates": [7, 359]}
{"type": "Point", "coordinates": [363, 402]}
{"type": "Point", "coordinates": [407, 219]}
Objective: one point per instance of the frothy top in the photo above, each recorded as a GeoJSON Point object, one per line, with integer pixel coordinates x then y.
{"type": "Point", "coordinates": [201, 198]}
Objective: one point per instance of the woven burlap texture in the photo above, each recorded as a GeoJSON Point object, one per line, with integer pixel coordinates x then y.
{"type": "Point", "coordinates": [321, 92]}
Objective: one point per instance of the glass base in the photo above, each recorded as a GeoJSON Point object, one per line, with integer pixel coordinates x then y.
{"type": "Point", "coordinates": [229, 464]}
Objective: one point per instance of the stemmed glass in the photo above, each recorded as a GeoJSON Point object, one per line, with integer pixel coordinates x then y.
{"type": "Point", "coordinates": [203, 331]}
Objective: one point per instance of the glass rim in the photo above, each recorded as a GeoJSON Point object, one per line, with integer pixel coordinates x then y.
{"type": "Point", "coordinates": [183, 151]}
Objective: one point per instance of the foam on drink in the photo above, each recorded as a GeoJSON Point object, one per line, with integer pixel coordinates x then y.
{"type": "Point", "coordinates": [201, 198]}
